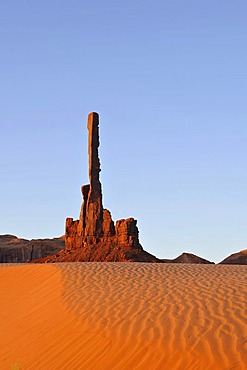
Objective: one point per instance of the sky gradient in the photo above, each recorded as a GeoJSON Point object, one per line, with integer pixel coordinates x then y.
{"type": "Point", "coordinates": [169, 81]}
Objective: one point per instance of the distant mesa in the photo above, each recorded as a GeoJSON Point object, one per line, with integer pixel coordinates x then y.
{"type": "Point", "coordinates": [239, 258]}
{"type": "Point", "coordinates": [15, 250]}
{"type": "Point", "coordinates": [188, 258]}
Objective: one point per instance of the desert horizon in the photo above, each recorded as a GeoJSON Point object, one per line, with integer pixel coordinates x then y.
{"type": "Point", "coordinates": [20, 250]}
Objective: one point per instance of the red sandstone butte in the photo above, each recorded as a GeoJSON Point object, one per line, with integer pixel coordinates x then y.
{"type": "Point", "coordinates": [95, 237]}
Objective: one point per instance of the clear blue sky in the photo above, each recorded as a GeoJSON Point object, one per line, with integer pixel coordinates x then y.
{"type": "Point", "coordinates": [169, 80]}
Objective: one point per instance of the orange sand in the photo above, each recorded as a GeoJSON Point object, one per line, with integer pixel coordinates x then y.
{"type": "Point", "coordinates": [123, 316]}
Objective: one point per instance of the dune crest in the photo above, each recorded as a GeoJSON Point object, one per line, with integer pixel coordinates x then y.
{"type": "Point", "coordinates": [123, 316]}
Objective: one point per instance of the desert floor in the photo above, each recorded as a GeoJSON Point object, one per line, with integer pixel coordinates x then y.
{"type": "Point", "coordinates": [123, 316]}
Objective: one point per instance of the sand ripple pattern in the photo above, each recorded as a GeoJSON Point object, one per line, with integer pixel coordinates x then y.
{"type": "Point", "coordinates": [159, 316]}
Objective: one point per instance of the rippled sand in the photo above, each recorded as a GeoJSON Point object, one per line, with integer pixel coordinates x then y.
{"type": "Point", "coordinates": [123, 316]}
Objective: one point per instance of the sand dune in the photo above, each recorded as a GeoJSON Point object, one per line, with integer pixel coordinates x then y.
{"type": "Point", "coordinates": [123, 316]}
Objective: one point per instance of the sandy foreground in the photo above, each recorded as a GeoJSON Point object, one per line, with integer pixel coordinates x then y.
{"type": "Point", "coordinates": [123, 316]}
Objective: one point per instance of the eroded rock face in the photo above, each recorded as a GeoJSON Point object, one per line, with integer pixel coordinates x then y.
{"type": "Point", "coordinates": [127, 232]}
{"type": "Point", "coordinates": [108, 227]}
{"type": "Point", "coordinates": [16, 250]}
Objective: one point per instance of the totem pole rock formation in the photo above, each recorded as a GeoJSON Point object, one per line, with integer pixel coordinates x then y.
{"type": "Point", "coordinates": [95, 225]}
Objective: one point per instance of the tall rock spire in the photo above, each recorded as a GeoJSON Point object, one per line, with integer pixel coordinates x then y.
{"type": "Point", "coordinates": [94, 208]}
{"type": "Point", "coordinates": [93, 154]}
{"type": "Point", "coordinates": [95, 237]}
{"type": "Point", "coordinates": [91, 216]}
